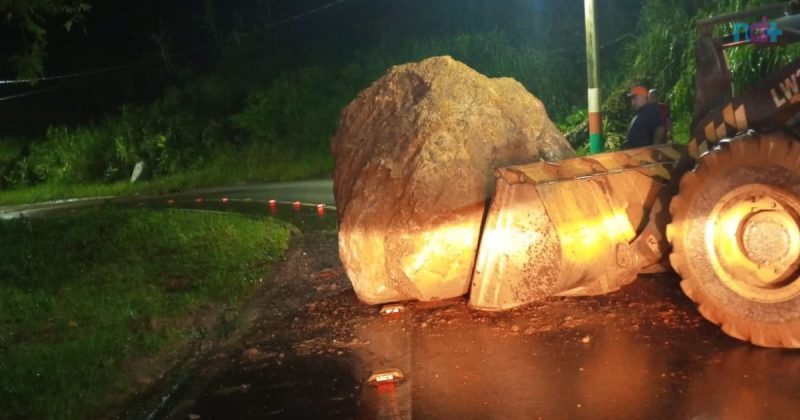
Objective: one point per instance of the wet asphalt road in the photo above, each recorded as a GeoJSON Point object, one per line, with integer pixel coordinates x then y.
{"type": "Point", "coordinates": [307, 347]}
{"type": "Point", "coordinates": [644, 352]}
{"type": "Point", "coordinates": [307, 192]}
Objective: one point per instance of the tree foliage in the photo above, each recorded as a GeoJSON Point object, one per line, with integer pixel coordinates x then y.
{"type": "Point", "coordinates": [280, 90]}
{"type": "Point", "coordinates": [30, 17]}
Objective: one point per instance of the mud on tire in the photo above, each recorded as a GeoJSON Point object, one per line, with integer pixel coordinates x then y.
{"type": "Point", "coordinates": [735, 238]}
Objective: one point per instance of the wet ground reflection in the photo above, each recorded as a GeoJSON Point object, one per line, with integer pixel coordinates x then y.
{"type": "Point", "coordinates": [644, 352]}
{"type": "Point", "coordinates": [746, 383]}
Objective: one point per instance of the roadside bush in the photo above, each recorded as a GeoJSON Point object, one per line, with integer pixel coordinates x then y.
{"type": "Point", "coordinates": [298, 111]}
{"type": "Point", "coordinates": [13, 163]}
{"type": "Point", "coordinates": [72, 155]}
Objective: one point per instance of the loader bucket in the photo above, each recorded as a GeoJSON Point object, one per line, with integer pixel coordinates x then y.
{"type": "Point", "coordinates": [568, 228]}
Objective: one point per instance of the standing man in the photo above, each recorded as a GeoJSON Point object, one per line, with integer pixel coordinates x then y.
{"type": "Point", "coordinates": [646, 128]}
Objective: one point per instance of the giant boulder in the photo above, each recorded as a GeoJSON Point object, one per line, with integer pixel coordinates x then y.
{"type": "Point", "coordinates": [414, 155]}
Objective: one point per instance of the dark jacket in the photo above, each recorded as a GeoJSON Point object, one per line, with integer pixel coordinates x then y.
{"type": "Point", "coordinates": [643, 127]}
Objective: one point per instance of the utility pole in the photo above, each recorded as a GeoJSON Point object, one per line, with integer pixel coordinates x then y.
{"type": "Point", "coordinates": [595, 118]}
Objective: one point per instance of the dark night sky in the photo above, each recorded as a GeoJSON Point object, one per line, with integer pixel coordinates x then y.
{"type": "Point", "coordinates": [118, 32]}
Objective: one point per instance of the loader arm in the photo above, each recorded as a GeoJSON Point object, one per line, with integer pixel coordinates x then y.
{"type": "Point", "coordinates": [766, 106]}
{"type": "Point", "coordinates": [769, 105]}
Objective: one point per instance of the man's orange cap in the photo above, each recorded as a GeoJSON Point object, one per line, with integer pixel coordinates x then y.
{"type": "Point", "coordinates": [638, 91]}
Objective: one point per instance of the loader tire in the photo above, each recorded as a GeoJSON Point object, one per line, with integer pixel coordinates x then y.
{"type": "Point", "coordinates": [736, 240]}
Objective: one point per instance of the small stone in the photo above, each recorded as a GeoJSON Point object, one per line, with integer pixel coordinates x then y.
{"type": "Point", "coordinates": [424, 325]}
{"type": "Point", "coordinates": [586, 340]}
{"type": "Point", "coordinates": [515, 328]}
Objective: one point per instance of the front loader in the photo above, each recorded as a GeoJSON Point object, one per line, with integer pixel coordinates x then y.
{"type": "Point", "coordinates": [723, 211]}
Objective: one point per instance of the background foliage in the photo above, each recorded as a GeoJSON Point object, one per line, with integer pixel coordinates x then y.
{"type": "Point", "coordinates": [263, 92]}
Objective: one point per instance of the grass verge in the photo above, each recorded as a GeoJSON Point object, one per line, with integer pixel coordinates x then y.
{"type": "Point", "coordinates": [89, 300]}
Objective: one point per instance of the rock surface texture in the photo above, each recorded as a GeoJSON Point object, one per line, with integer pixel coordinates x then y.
{"type": "Point", "coordinates": [414, 156]}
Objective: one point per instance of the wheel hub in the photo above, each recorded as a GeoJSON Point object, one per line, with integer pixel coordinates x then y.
{"type": "Point", "coordinates": [754, 235]}
{"type": "Point", "coordinates": [771, 240]}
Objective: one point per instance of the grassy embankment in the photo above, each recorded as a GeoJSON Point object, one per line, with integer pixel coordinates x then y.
{"type": "Point", "coordinates": [95, 305]}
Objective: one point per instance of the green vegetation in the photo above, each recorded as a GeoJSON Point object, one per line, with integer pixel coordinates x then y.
{"type": "Point", "coordinates": [91, 302]}
{"type": "Point", "coordinates": [201, 134]}
{"type": "Point", "coordinates": [266, 113]}
{"type": "Point", "coordinates": [28, 16]}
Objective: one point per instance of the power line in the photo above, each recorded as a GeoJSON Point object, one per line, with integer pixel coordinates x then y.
{"type": "Point", "coordinates": [126, 66]}
{"type": "Point", "coordinates": [79, 74]}
{"type": "Point", "coordinates": [38, 91]}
